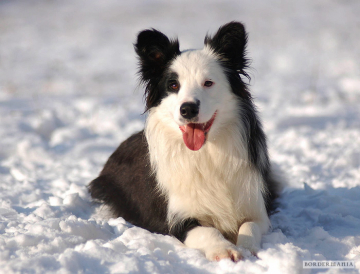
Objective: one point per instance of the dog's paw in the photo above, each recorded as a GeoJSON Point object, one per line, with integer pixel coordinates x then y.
{"type": "Point", "coordinates": [249, 243]}
{"type": "Point", "coordinates": [218, 253]}
{"type": "Point", "coordinates": [249, 251]}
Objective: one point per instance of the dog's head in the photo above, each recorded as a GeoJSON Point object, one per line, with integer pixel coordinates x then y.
{"type": "Point", "coordinates": [198, 89]}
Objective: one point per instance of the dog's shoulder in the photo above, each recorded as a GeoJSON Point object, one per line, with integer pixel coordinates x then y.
{"type": "Point", "coordinates": [132, 153]}
{"type": "Point", "coordinates": [127, 185]}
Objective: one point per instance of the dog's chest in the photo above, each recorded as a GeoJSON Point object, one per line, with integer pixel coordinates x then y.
{"type": "Point", "coordinates": [203, 186]}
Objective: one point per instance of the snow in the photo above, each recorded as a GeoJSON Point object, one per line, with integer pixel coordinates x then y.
{"type": "Point", "coordinates": [69, 95]}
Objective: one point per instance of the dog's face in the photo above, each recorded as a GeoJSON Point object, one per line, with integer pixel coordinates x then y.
{"type": "Point", "coordinates": [196, 89]}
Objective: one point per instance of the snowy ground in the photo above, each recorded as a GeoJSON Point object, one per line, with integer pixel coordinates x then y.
{"type": "Point", "coordinates": [67, 82]}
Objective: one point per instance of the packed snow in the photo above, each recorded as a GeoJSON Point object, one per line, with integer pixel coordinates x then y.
{"type": "Point", "coordinates": [69, 95]}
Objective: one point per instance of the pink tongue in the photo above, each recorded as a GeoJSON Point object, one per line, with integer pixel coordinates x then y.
{"type": "Point", "coordinates": [193, 135]}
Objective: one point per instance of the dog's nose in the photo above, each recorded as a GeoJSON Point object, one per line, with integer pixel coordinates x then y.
{"type": "Point", "coordinates": [189, 110]}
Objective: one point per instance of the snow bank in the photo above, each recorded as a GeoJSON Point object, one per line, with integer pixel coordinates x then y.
{"type": "Point", "coordinates": [67, 76]}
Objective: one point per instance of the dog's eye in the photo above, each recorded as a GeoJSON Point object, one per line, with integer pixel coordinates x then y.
{"type": "Point", "coordinates": [174, 85]}
{"type": "Point", "coordinates": [208, 84]}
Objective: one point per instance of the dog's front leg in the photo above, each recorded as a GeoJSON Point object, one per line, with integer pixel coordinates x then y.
{"type": "Point", "coordinates": [250, 237]}
{"type": "Point", "coordinates": [210, 241]}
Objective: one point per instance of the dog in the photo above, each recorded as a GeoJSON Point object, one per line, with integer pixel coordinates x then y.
{"type": "Point", "coordinates": [199, 170]}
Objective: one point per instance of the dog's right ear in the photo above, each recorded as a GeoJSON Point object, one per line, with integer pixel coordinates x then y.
{"type": "Point", "coordinates": [155, 51]}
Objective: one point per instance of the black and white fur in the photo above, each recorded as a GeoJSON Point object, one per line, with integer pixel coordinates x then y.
{"type": "Point", "coordinates": [218, 197]}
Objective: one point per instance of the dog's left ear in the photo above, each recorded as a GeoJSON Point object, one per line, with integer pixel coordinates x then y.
{"type": "Point", "coordinates": [230, 44]}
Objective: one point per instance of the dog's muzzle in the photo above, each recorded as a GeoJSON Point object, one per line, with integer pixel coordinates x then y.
{"type": "Point", "coordinates": [189, 110]}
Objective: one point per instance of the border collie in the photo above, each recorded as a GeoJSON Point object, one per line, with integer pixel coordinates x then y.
{"type": "Point", "coordinates": [200, 169]}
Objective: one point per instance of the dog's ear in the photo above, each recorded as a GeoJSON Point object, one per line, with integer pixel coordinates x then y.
{"type": "Point", "coordinates": [230, 44]}
{"type": "Point", "coordinates": [155, 50]}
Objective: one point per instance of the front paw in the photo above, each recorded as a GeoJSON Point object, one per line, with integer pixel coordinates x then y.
{"type": "Point", "coordinates": [248, 243]}
{"type": "Point", "coordinates": [217, 253]}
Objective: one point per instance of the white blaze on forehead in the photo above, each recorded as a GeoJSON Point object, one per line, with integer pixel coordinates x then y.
{"type": "Point", "coordinates": [194, 67]}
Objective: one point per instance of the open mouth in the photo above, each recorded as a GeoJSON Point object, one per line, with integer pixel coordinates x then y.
{"type": "Point", "coordinates": [194, 134]}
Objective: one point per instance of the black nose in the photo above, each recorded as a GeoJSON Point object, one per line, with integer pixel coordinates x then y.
{"type": "Point", "coordinates": [189, 110]}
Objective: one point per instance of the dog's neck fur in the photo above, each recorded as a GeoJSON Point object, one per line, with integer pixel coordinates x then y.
{"type": "Point", "coordinates": [211, 184]}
